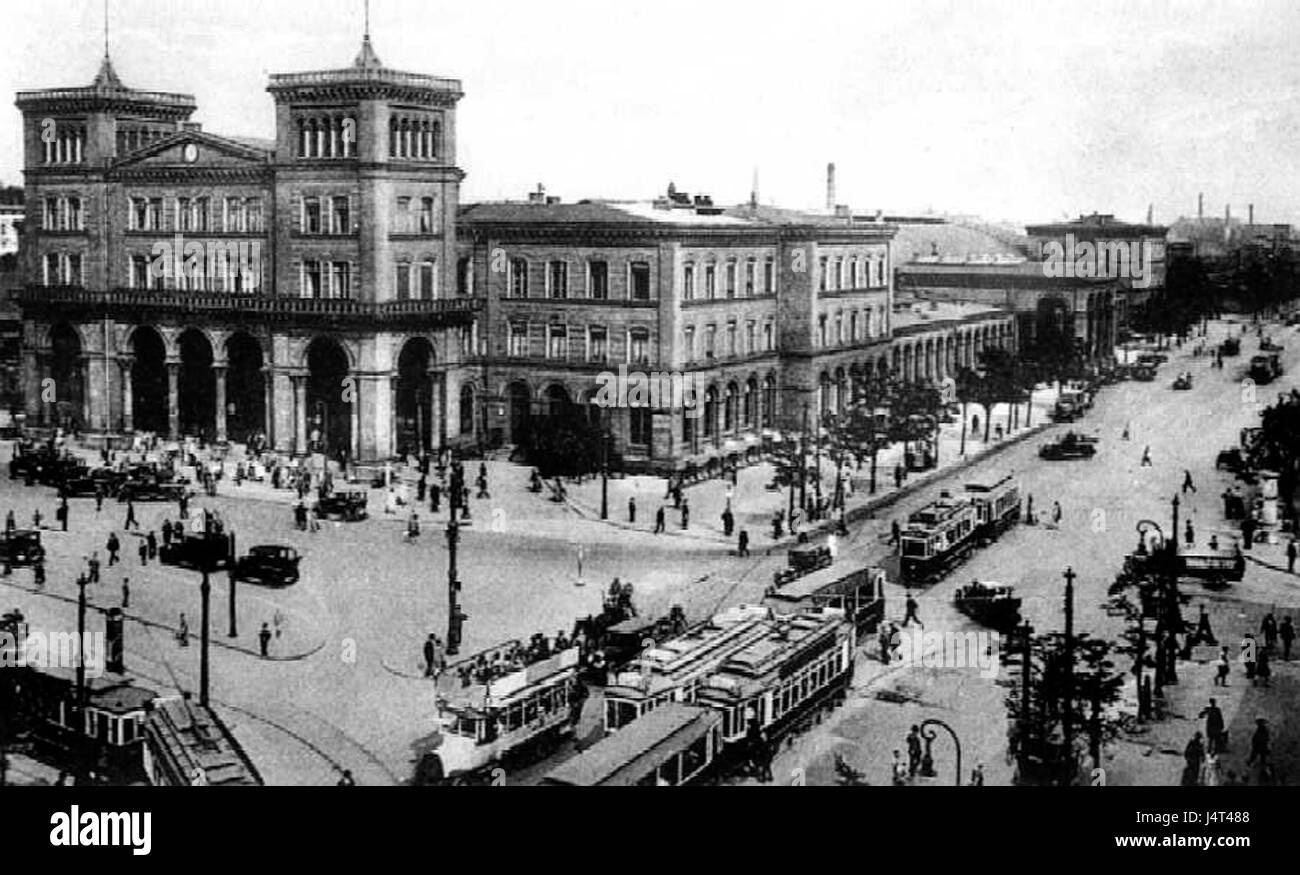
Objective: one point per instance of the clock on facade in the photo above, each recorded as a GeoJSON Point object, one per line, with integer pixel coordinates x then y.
{"type": "Point", "coordinates": [190, 153]}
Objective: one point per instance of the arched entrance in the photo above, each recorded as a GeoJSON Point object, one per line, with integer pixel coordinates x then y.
{"type": "Point", "coordinates": [149, 381]}
{"type": "Point", "coordinates": [245, 388]}
{"type": "Point", "coordinates": [197, 386]}
{"type": "Point", "coordinates": [519, 402]}
{"type": "Point", "coordinates": [329, 407]}
{"type": "Point", "coordinates": [415, 402]}
{"type": "Point", "coordinates": [69, 382]}
{"type": "Point", "coordinates": [557, 400]}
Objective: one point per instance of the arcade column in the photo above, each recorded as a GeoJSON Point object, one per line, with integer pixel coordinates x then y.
{"type": "Point", "coordinates": [124, 365]}
{"type": "Point", "coordinates": [219, 372]}
{"type": "Point", "coordinates": [173, 399]}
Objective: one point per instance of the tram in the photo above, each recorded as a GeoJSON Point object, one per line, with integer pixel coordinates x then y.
{"type": "Point", "coordinates": [671, 746]}
{"type": "Point", "coordinates": [804, 663]}
{"type": "Point", "coordinates": [672, 670]}
{"type": "Point", "coordinates": [938, 537]}
{"type": "Point", "coordinates": [512, 718]}
{"type": "Point", "coordinates": [997, 507]}
{"type": "Point", "coordinates": [859, 593]}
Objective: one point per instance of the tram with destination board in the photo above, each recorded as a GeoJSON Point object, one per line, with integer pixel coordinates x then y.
{"type": "Point", "coordinates": [513, 718]}
{"type": "Point", "coordinates": [859, 593]}
{"type": "Point", "coordinates": [672, 670]}
{"type": "Point", "coordinates": [997, 507]}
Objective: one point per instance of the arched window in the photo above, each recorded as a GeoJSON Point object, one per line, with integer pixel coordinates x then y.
{"type": "Point", "coordinates": [729, 409]}
{"type": "Point", "coordinates": [750, 417]}
{"type": "Point", "coordinates": [466, 409]}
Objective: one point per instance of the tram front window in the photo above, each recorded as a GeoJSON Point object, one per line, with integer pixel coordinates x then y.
{"type": "Point", "coordinates": [913, 548]}
{"type": "Point", "coordinates": [619, 713]}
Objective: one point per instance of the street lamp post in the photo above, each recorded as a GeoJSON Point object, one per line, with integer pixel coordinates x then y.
{"type": "Point", "coordinates": [929, 737]}
{"type": "Point", "coordinates": [604, 470]}
{"type": "Point", "coordinates": [230, 576]}
{"type": "Point", "coordinates": [455, 618]}
{"type": "Point", "coordinates": [1067, 719]}
{"type": "Point", "coordinates": [205, 592]}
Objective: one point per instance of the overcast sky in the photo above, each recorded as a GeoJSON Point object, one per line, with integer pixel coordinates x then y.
{"type": "Point", "coordinates": [1025, 111]}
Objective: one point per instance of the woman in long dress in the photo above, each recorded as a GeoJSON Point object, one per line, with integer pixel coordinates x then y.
{"type": "Point", "coordinates": [1211, 775]}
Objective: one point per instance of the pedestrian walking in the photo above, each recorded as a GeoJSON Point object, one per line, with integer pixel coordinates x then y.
{"type": "Point", "coordinates": [1259, 743]}
{"type": "Point", "coordinates": [151, 541]}
{"type": "Point", "coordinates": [435, 497]}
{"type": "Point", "coordinates": [1287, 634]}
{"type": "Point", "coordinates": [898, 770]}
{"type": "Point", "coordinates": [975, 424]}
{"type": "Point", "coordinates": [167, 532]}
{"type": "Point", "coordinates": [1211, 775]}
{"type": "Point", "coordinates": [1263, 666]}
{"type": "Point", "coordinates": [778, 524]}
{"type": "Point", "coordinates": [1214, 726]}
{"type": "Point", "coordinates": [1188, 485]}
{"type": "Point", "coordinates": [1194, 754]}
{"type": "Point", "coordinates": [1056, 513]}
{"type": "Point", "coordinates": [1189, 533]}
{"type": "Point", "coordinates": [631, 510]}
{"type": "Point", "coordinates": [895, 534]}
{"type": "Point", "coordinates": [977, 776]}
{"type": "Point", "coordinates": [421, 487]}
{"type": "Point", "coordinates": [1291, 551]}
{"type": "Point", "coordinates": [93, 564]}
{"type": "Point", "coordinates": [38, 575]}
{"type": "Point", "coordinates": [62, 513]}
{"type": "Point", "coordinates": [10, 524]}
{"type": "Point", "coordinates": [264, 640]}
{"type": "Point", "coordinates": [742, 543]}
{"type": "Point", "coordinates": [913, 751]}
{"type": "Point", "coordinates": [483, 487]}
{"type": "Point", "coordinates": [686, 514]}
{"type": "Point", "coordinates": [183, 632]}
{"type": "Point", "coordinates": [659, 519]}
{"type": "Point", "coordinates": [1268, 628]}
{"type": "Point", "coordinates": [728, 523]}
{"type": "Point", "coordinates": [1146, 457]}
{"type": "Point", "coordinates": [144, 553]}
{"type": "Point", "coordinates": [911, 614]}
{"type": "Point", "coordinates": [413, 526]}
{"type": "Point", "coordinates": [1222, 667]}
{"type": "Point", "coordinates": [99, 498]}
{"type": "Point", "coordinates": [126, 593]}
{"type": "Point", "coordinates": [130, 515]}
{"type": "Point", "coordinates": [112, 545]}
{"type": "Point", "coordinates": [36, 519]}
{"type": "Point", "coordinates": [1125, 435]}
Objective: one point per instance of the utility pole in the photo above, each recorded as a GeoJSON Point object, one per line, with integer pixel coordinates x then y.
{"type": "Point", "coordinates": [455, 619]}
{"type": "Point", "coordinates": [604, 469]}
{"type": "Point", "coordinates": [205, 592]}
{"type": "Point", "coordinates": [230, 576]}
{"type": "Point", "coordinates": [803, 461]}
{"type": "Point", "coordinates": [817, 458]}
{"type": "Point", "coordinates": [81, 648]}
{"type": "Point", "coordinates": [1067, 716]}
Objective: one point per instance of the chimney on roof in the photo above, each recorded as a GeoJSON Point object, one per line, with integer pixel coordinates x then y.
{"type": "Point", "coordinates": [753, 191]}
{"type": "Point", "coordinates": [830, 187]}
{"type": "Point", "coordinates": [1200, 206]}
{"type": "Point", "coordinates": [539, 196]}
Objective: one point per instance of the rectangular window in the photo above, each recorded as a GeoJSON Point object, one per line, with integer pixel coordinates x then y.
{"type": "Point", "coordinates": [428, 281]}
{"type": "Point", "coordinates": [853, 327]}
{"type": "Point", "coordinates": [518, 278]}
{"type": "Point", "coordinates": [821, 331]}
{"type": "Point", "coordinates": [236, 219]}
{"type": "Point", "coordinates": [598, 271]}
{"type": "Point", "coordinates": [557, 279]}
{"type": "Point", "coordinates": [52, 269]}
{"type": "Point", "coordinates": [311, 218]}
{"type": "Point", "coordinates": [76, 218]}
{"type": "Point", "coordinates": [201, 214]}
{"type": "Point", "coordinates": [750, 329]}
{"type": "Point", "coordinates": [341, 285]}
{"type": "Point", "coordinates": [710, 338]}
{"type": "Point", "coordinates": [710, 281]}
{"type": "Point", "coordinates": [403, 282]}
{"type": "Point", "coordinates": [769, 341]}
{"type": "Point", "coordinates": [638, 346]}
{"type": "Point", "coordinates": [49, 213]}
{"type": "Point", "coordinates": [731, 338]}
{"type": "Point", "coordinates": [688, 281]}
{"type": "Point", "coordinates": [823, 271]}
{"type": "Point", "coordinates": [426, 215]}
{"type": "Point", "coordinates": [254, 214]}
{"type": "Point", "coordinates": [139, 271]}
{"type": "Point", "coordinates": [311, 279]}
{"type": "Point", "coordinates": [340, 216]}
{"type": "Point", "coordinates": [688, 343]}
{"type": "Point", "coordinates": [731, 278]}
{"type": "Point", "coordinates": [73, 271]}
{"type": "Point", "coordinates": [597, 344]}
{"type": "Point", "coordinates": [464, 277]}
{"type": "Point", "coordinates": [139, 214]}
{"type": "Point", "coordinates": [557, 342]}
{"type": "Point", "coordinates": [402, 223]}
{"type": "Point", "coordinates": [640, 425]}
{"type": "Point", "coordinates": [184, 217]}
{"type": "Point", "coordinates": [751, 273]}
{"type": "Point", "coordinates": [769, 277]}
{"type": "Point", "coordinates": [154, 216]}
{"type": "Point", "coordinates": [518, 340]}
{"type": "Point", "coordinates": [640, 281]}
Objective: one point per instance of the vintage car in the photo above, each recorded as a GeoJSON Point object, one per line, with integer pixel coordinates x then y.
{"type": "Point", "coordinates": [1266, 367]}
{"type": "Point", "coordinates": [346, 505]}
{"type": "Point", "coordinates": [1231, 459]}
{"type": "Point", "coordinates": [150, 490]}
{"type": "Point", "coordinates": [21, 547]}
{"type": "Point", "coordinates": [1230, 347]}
{"type": "Point", "coordinates": [1215, 567]}
{"type": "Point", "coordinates": [89, 482]}
{"type": "Point", "coordinates": [989, 604]}
{"type": "Point", "coordinates": [198, 550]}
{"type": "Point", "coordinates": [1183, 382]}
{"type": "Point", "coordinates": [1268, 344]}
{"type": "Point", "coordinates": [28, 461]}
{"type": "Point", "coordinates": [1152, 358]}
{"type": "Point", "coordinates": [1069, 446]}
{"type": "Point", "coordinates": [1144, 373]}
{"type": "Point", "coordinates": [802, 560]}
{"type": "Point", "coordinates": [269, 565]}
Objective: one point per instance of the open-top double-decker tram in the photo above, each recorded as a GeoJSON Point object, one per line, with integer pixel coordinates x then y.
{"type": "Point", "coordinates": [511, 718]}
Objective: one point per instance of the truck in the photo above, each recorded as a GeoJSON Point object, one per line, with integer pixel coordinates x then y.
{"type": "Point", "coordinates": [1265, 367]}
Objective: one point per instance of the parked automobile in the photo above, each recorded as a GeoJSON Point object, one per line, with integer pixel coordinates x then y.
{"type": "Point", "coordinates": [197, 550]}
{"type": "Point", "coordinates": [348, 506]}
{"type": "Point", "coordinates": [1069, 446]}
{"type": "Point", "coordinates": [1144, 373]}
{"type": "Point", "coordinates": [21, 547]}
{"type": "Point", "coordinates": [1265, 367]}
{"type": "Point", "coordinates": [1183, 382]}
{"type": "Point", "coordinates": [1230, 347]}
{"type": "Point", "coordinates": [150, 490]}
{"type": "Point", "coordinates": [269, 565]}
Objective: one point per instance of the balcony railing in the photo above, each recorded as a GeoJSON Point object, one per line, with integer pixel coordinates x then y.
{"type": "Point", "coordinates": [231, 303]}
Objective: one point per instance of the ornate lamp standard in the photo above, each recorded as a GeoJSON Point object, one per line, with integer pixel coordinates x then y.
{"type": "Point", "coordinates": [927, 762]}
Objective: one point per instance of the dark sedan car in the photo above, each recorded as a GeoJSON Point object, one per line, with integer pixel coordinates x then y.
{"type": "Point", "coordinates": [269, 565]}
{"type": "Point", "coordinates": [346, 506]}
{"type": "Point", "coordinates": [21, 547]}
{"type": "Point", "coordinates": [197, 551]}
